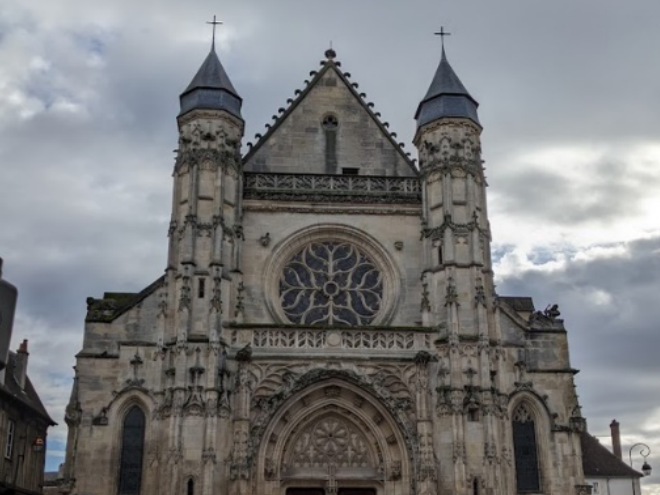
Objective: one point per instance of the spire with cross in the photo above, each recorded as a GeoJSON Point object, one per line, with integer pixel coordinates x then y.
{"type": "Point", "coordinates": [442, 33]}
{"type": "Point", "coordinates": [211, 88]}
{"type": "Point", "coordinates": [214, 23]}
{"type": "Point", "coordinates": [446, 97]}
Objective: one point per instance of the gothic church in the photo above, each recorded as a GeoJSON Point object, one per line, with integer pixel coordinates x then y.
{"type": "Point", "coordinates": [327, 321]}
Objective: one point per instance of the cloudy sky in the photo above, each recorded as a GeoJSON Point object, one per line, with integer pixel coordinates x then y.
{"type": "Point", "coordinates": [570, 99]}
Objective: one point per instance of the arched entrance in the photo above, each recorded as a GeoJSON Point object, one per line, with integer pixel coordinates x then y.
{"type": "Point", "coordinates": [333, 437]}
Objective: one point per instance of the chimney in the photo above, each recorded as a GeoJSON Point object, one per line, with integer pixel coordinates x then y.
{"type": "Point", "coordinates": [20, 371]}
{"type": "Point", "coordinates": [616, 438]}
{"type": "Point", "coordinates": [8, 295]}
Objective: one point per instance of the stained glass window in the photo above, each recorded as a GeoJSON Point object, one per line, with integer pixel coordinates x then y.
{"type": "Point", "coordinates": [331, 283]}
{"type": "Point", "coordinates": [525, 451]}
{"type": "Point", "coordinates": [132, 452]}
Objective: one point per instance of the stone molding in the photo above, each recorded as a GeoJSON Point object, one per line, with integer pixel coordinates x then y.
{"type": "Point", "coordinates": [333, 209]}
{"type": "Point", "coordinates": [338, 338]}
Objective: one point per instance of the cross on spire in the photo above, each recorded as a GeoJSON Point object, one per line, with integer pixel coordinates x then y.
{"type": "Point", "coordinates": [214, 23]}
{"type": "Point", "coordinates": [442, 33]}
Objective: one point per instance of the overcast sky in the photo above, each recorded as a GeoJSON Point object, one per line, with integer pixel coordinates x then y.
{"type": "Point", "coordinates": [570, 104]}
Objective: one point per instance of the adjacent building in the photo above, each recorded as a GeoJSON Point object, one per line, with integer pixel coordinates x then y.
{"type": "Point", "coordinates": [23, 428]}
{"type": "Point", "coordinates": [327, 322]}
{"type": "Point", "coordinates": [605, 470]}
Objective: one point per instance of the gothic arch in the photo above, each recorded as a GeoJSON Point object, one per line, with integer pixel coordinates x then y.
{"type": "Point", "coordinates": [288, 247]}
{"type": "Point", "coordinates": [542, 418]}
{"type": "Point", "coordinates": [131, 451]}
{"type": "Point", "coordinates": [312, 416]}
{"type": "Point", "coordinates": [116, 412]}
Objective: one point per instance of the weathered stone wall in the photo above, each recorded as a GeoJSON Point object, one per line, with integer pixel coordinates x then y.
{"type": "Point", "coordinates": [393, 229]}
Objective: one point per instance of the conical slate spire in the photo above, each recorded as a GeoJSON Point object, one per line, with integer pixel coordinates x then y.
{"type": "Point", "coordinates": [211, 89]}
{"type": "Point", "coordinates": [446, 97]}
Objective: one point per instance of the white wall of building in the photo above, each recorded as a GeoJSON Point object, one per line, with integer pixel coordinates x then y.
{"type": "Point", "coordinates": [614, 486]}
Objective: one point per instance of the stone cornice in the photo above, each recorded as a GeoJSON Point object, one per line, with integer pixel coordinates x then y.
{"type": "Point", "coordinates": [345, 209]}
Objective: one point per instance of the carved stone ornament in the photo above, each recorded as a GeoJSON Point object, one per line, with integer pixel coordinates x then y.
{"type": "Point", "coordinates": [264, 240]}
{"type": "Point", "coordinates": [451, 296]}
{"type": "Point", "coordinates": [331, 441]}
{"type": "Point", "coordinates": [321, 188]}
{"type": "Point", "coordinates": [425, 305]}
{"type": "Point", "coordinates": [397, 408]}
{"type": "Point", "coordinates": [437, 233]}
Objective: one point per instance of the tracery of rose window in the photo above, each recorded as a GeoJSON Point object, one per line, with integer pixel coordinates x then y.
{"type": "Point", "coordinates": [331, 283]}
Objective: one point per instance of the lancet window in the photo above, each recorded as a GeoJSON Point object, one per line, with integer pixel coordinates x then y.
{"type": "Point", "coordinates": [132, 452]}
{"type": "Point", "coordinates": [525, 450]}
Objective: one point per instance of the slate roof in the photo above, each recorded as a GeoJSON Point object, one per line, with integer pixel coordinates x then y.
{"type": "Point", "coordinates": [446, 97]}
{"type": "Point", "coordinates": [517, 303]}
{"type": "Point", "coordinates": [599, 462]}
{"type": "Point", "coordinates": [28, 397]}
{"type": "Point", "coordinates": [211, 89]}
{"type": "Point", "coordinates": [114, 304]}
{"type": "Point", "coordinates": [327, 64]}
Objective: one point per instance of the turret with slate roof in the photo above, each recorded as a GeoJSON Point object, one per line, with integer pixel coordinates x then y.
{"type": "Point", "coordinates": [205, 229]}
{"type": "Point", "coordinates": [456, 230]}
{"type": "Point", "coordinates": [211, 88]}
{"type": "Point", "coordinates": [447, 97]}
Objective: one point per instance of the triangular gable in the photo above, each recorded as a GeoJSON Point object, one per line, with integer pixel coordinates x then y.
{"type": "Point", "coordinates": [297, 141]}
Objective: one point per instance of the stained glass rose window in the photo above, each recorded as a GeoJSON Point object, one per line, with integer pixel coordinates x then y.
{"type": "Point", "coordinates": [331, 283]}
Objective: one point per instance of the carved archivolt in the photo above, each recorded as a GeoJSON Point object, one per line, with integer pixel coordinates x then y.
{"type": "Point", "coordinates": [325, 419]}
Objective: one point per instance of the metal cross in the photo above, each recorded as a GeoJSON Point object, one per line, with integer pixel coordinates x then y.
{"type": "Point", "coordinates": [442, 35]}
{"type": "Point", "coordinates": [214, 23]}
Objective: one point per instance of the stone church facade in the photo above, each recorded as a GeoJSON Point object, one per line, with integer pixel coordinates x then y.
{"type": "Point", "coordinates": [327, 321]}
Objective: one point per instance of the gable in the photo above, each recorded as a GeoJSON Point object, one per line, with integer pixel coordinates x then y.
{"type": "Point", "coordinates": [352, 137]}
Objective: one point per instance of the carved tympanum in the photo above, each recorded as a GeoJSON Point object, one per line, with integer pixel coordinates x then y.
{"type": "Point", "coordinates": [331, 441]}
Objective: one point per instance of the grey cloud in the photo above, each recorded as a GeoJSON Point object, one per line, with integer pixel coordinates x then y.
{"type": "Point", "coordinates": [614, 190]}
{"type": "Point", "coordinates": [614, 342]}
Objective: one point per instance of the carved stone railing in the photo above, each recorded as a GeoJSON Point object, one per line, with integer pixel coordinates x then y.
{"type": "Point", "coordinates": [377, 339]}
{"type": "Point", "coordinates": [346, 188]}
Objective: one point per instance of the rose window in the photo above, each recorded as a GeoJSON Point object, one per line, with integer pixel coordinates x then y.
{"type": "Point", "coordinates": [331, 283]}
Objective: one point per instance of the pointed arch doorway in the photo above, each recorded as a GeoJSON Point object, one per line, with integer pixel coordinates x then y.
{"type": "Point", "coordinates": [334, 436]}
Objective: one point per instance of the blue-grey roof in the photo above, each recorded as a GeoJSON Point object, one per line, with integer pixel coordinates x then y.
{"type": "Point", "coordinates": [211, 89]}
{"type": "Point", "coordinates": [446, 97]}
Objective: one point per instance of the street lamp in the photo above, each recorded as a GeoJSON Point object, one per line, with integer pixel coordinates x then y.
{"type": "Point", "coordinates": [644, 451]}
